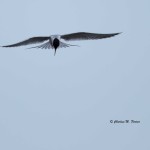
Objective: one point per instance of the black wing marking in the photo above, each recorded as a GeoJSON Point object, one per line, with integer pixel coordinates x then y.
{"type": "Point", "coordinates": [32, 40]}
{"type": "Point", "coordinates": [86, 36]}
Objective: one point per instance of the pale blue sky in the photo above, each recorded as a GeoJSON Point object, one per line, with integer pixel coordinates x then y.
{"type": "Point", "coordinates": [66, 102]}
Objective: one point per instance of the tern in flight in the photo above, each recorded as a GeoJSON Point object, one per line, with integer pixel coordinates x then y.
{"type": "Point", "coordinates": [55, 41]}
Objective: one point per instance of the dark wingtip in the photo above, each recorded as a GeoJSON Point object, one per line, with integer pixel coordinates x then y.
{"type": "Point", "coordinates": [6, 46]}
{"type": "Point", "coordinates": [119, 33]}
{"type": "Point", "coordinates": [114, 34]}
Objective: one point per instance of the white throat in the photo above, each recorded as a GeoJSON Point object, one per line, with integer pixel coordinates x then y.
{"type": "Point", "coordinates": [55, 36]}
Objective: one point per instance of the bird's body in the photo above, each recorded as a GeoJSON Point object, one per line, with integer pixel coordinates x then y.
{"type": "Point", "coordinates": [55, 41]}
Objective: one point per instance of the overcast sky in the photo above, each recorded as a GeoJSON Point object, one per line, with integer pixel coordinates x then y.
{"type": "Point", "coordinates": [66, 102]}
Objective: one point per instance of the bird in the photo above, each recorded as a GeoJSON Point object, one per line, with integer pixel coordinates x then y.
{"type": "Point", "coordinates": [56, 41]}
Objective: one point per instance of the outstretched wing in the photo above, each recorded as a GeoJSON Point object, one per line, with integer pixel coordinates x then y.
{"type": "Point", "coordinates": [64, 45]}
{"type": "Point", "coordinates": [47, 45]}
{"type": "Point", "coordinates": [32, 40]}
{"type": "Point", "coordinates": [86, 36]}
